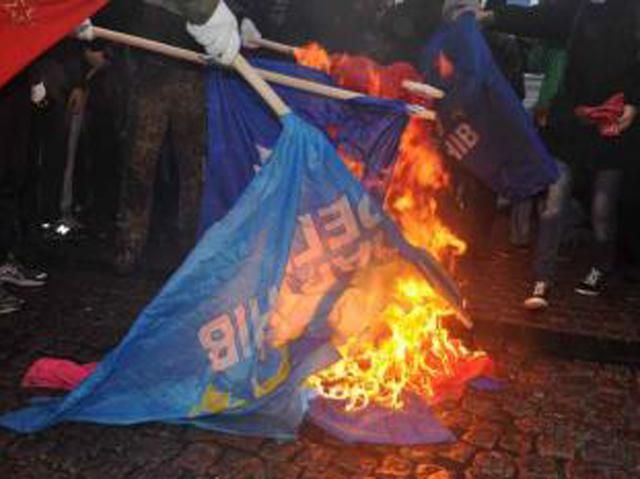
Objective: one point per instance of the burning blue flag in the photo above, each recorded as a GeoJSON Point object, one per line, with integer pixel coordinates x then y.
{"type": "Point", "coordinates": [228, 341]}
{"type": "Point", "coordinates": [242, 131]}
{"type": "Point", "coordinates": [486, 128]}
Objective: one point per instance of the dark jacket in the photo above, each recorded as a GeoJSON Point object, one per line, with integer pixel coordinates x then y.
{"type": "Point", "coordinates": [407, 27]}
{"type": "Point", "coordinates": [603, 42]}
{"type": "Point", "coordinates": [603, 45]}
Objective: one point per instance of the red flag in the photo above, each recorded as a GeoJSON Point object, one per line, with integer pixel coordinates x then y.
{"type": "Point", "coordinates": [29, 27]}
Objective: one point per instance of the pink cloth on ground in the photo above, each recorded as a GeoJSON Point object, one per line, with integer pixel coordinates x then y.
{"type": "Point", "coordinates": [61, 374]}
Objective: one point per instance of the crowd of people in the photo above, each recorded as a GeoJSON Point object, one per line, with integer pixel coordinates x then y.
{"type": "Point", "coordinates": [94, 134]}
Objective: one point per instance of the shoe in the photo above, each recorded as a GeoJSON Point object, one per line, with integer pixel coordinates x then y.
{"type": "Point", "coordinates": [13, 272]}
{"type": "Point", "coordinates": [539, 298]}
{"type": "Point", "coordinates": [592, 284]}
{"type": "Point", "coordinates": [8, 302]}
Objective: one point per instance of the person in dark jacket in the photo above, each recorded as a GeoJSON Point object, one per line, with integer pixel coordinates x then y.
{"type": "Point", "coordinates": [16, 99]}
{"type": "Point", "coordinates": [602, 38]}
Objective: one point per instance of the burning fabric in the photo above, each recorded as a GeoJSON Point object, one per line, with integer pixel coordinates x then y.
{"type": "Point", "coordinates": [210, 349]}
{"type": "Point", "coordinates": [485, 126]}
{"type": "Point", "coordinates": [304, 289]}
{"type": "Point", "coordinates": [242, 133]}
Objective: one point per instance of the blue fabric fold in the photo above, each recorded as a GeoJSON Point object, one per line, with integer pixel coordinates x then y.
{"type": "Point", "coordinates": [485, 127]}
{"type": "Point", "coordinates": [199, 353]}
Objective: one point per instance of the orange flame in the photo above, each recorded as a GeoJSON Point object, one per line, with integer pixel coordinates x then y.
{"type": "Point", "coordinates": [445, 66]}
{"type": "Point", "coordinates": [314, 56]}
{"type": "Point", "coordinates": [388, 325]}
{"type": "Point", "coordinates": [418, 177]}
{"type": "Point", "coordinates": [403, 349]}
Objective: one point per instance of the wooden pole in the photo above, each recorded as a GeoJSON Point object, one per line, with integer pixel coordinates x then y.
{"type": "Point", "coordinates": [251, 76]}
{"type": "Point", "coordinates": [273, 46]}
{"type": "Point", "coordinates": [417, 88]}
{"type": "Point", "coordinates": [242, 66]}
{"type": "Point", "coordinates": [273, 77]}
{"type": "Point", "coordinates": [423, 89]}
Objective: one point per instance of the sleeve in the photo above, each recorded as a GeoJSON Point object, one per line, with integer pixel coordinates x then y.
{"type": "Point", "coordinates": [197, 11]}
{"type": "Point", "coordinates": [550, 21]}
{"type": "Point", "coordinates": [632, 86]}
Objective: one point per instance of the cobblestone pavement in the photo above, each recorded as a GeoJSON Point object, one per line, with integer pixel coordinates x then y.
{"type": "Point", "coordinates": [557, 418]}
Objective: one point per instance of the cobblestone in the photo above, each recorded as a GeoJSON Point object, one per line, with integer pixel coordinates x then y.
{"type": "Point", "coordinates": [483, 435]}
{"type": "Point", "coordinates": [198, 458]}
{"type": "Point", "coordinates": [494, 465]}
{"type": "Point", "coordinates": [394, 466]}
{"type": "Point", "coordinates": [432, 471]}
{"type": "Point", "coordinates": [555, 419]}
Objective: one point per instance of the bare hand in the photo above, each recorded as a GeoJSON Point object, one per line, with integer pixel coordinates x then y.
{"type": "Point", "coordinates": [77, 101]}
{"type": "Point", "coordinates": [628, 117]}
{"type": "Point", "coordinates": [97, 59]}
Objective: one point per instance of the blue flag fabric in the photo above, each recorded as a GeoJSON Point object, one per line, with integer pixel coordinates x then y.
{"type": "Point", "coordinates": [202, 351]}
{"type": "Point", "coordinates": [242, 131]}
{"type": "Point", "coordinates": [485, 126]}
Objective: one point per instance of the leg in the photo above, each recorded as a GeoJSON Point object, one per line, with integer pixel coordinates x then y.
{"type": "Point", "coordinates": [15, 114]}
{"type": "Point", "coordinates": [553, 213]}
{"type": "Point", "coordinates": [553, 209]}
{"type": "Point", "coordinates": [54, 133]}
{"type": "Point", "coordinates": [480, 204]}
{"type": "Point", "coordinates": [189, 129]}
{"type": "Point", "coordinates": [604, 217]}
{"type": "Point", "coordinates": [521, 222]}
{"type": "Point", "coordinates": [150, 121]}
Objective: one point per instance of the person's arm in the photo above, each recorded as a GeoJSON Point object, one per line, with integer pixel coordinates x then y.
{"type": "Point", "coordinates": [632, 86]}
{"type": "Point", "coordinates": [197, 11]}
{"type": "Point", "coordinates": [550, 21]}
{"type": "Point", "coordinates": [214, 26]}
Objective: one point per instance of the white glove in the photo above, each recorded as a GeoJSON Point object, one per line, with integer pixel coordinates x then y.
{"type": "Point", "coordinates": [219, 35]}
{"type": "Point", "coordinates": [452, 9]}
{"type": "Point", "coordinates": [38, 93]}
{"type": "Point", "coordinates": [249, 33]}
{"type": "Point", "coordinates": [85, 31]}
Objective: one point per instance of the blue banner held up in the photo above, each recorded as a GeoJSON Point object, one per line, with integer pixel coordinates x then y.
{"type": "Point", "coordinates": [485, 126]}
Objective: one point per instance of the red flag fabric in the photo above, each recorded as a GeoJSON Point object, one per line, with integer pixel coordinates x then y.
{"type": "Point", "coordinates": [29, 27]}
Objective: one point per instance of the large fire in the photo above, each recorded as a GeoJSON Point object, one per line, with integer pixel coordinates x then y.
{"type": "Point", "coordinates": [403, 346]}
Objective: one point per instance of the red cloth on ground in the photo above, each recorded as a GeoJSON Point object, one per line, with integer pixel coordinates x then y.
{"type": "Point", "coordinates": [604, 116]}
{"type": "Point", "coordinates": [52, 373]}
{"type": "Point", "coordinates": [453, 387]}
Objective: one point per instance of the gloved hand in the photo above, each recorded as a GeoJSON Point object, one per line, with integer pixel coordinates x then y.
{"type": "Point", "coordinates": [249, 33]}
{"type": "Point", "coordinates": [38, 94]}
{"type": "Point", "coordinates": [84, 31]}
{"type": "Point", "coordinates": [452, 9]}
{"type": "Point", "coordinates": [219, 35]}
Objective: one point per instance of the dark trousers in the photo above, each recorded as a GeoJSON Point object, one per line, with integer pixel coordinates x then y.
{"type": "Point", "coordinates": [99, 178]}
{"type": "Point", "coordinates": [601, 163]}
{"type": "Point", "coordinates": [170, 102]}
{"type": "Point", "coordinates": [552, 207]}
{"type": "Point", "coordinates": [481, 212]}
{"type": "Point", "coordinates": [15, 119]}
{"type": "Point", "coordinates": [51, 131]}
